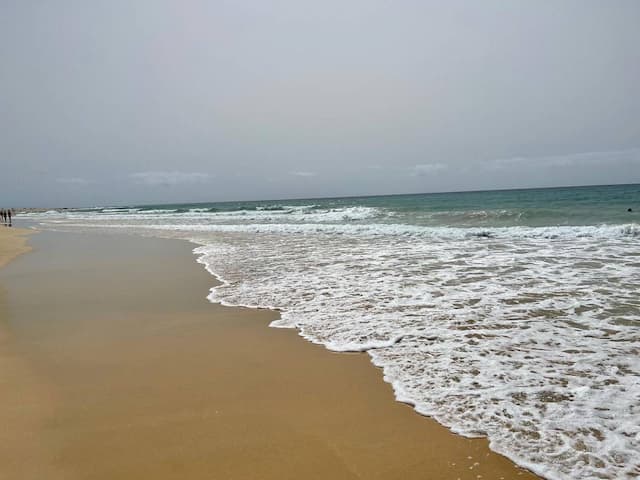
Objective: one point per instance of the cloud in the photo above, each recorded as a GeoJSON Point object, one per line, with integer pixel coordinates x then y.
{"type": "Point", "coordinates": [303, 174]}
{"type": "Point", "coordinates": [169, 178]}
{"type": "Point", "coordinates": [427, 169]}
{"type": "Point", "coordinates": [568, 160]}
{"type": "Point", "coordinates": [74, 181]}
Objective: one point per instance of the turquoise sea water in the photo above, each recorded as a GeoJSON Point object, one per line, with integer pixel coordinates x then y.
{"type": "Point", "coordinates": [591, 205]}
{"type": "Point", "coordinates": [511, 314]}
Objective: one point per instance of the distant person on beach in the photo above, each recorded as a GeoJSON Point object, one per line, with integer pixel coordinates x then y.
{"type": "Point", "coordinates": [4, 216]}
{"type": "Point", "coordinates": [9, 215]}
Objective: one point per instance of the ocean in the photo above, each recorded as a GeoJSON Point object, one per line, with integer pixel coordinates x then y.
{"type": "Point", "coordinates": [511, 314]}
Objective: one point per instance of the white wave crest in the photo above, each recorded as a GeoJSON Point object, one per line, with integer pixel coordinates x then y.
{"type": "Point", "coordinates": [628, 231]}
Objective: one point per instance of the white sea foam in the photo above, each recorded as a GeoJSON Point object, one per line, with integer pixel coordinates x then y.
{"type": "Point", "coordinates": [534, 343]}
{"type": "Point", "coordinates": [369, 229]}
{"type": "Point", "coordinates": [285, 214]}
{"type": "Point", "coordinates": [155, 211]}
{"type": "Point", "coordinates": [120, 210]}
{"type": "Point", "coordinates": [529, 336]}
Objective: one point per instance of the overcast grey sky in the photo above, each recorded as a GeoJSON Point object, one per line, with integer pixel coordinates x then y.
{"type": "Point", "coordinates": [105, 102]}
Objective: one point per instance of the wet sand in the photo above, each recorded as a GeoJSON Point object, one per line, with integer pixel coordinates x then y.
{"type": "Point", "coordinates": [13, 242]}
{"type": "Point", "coordinates": [24, 398]}
{"type": "Point", "coordinates": [120, 368]}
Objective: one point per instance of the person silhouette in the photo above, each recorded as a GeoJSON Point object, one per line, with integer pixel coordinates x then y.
{"type": "Point", "coordinates": [9, 215]}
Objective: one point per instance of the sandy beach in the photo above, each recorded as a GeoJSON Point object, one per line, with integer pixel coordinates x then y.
{"type": "Point", "coordinates": [115, 366]}
{"type": "Point", "coordinates": [13, 242]}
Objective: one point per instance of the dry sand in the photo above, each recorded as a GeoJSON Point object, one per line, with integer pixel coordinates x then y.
{"type": "Point", "coordinates": [119, 368]}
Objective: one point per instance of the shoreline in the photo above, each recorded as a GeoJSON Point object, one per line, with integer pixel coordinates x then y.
{"type": "Point", "coordinates": [344, 422]}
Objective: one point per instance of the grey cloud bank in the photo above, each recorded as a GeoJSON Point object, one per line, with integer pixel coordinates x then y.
{"type": "Point", "coordinates": [74, 181]}
{"type": "Point", "coordinates": [157, 101]}
{"type": "Point", "coordinates": [169, 178]}
{"type": "Point", "coordinates": [428, 168]}
{"type": "Point", "coordinates": [585, 159]}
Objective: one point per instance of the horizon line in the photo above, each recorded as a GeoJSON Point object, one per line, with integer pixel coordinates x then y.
{"type": "Point", "coordinates": [506, 189]}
